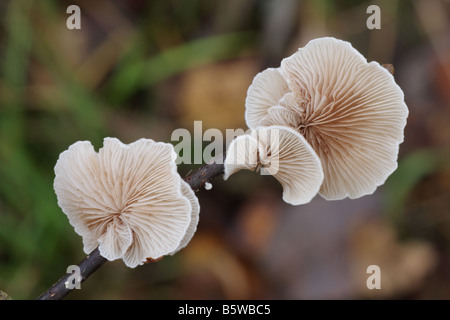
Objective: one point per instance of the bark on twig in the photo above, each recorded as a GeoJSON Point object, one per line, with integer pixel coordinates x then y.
{"type": "Point", "coordinates": [199, 177]}
{"type": "Point", "coordinates": [94, 260]}
{"type": "Point", "coordinates": [87, 266]}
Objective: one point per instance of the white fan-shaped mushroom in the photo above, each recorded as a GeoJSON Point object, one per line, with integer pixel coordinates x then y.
{"type": "Point", "coordinates": [128, 200]}
{"type": "Point", "coordinates": [283, 153]}
{"type": "Point", "coordinates": [351, 112]}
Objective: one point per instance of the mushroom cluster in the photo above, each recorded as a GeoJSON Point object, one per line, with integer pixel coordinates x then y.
{"type": "Point", "coordinates": [127, 200]}
{"type": "Point", "coordinates": [351, 112]}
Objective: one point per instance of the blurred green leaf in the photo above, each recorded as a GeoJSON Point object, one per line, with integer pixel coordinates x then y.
{"type": "Point", "coordinates": [411, 170]}
{"type": "Point", "coordinates": [137, 72]}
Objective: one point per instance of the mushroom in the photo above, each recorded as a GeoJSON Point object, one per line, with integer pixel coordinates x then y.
{"type": "Point", "coordinates": [350, 111]}
{"type": "Point", "coordinates": [208, 186]}
{"type": "Point", "coordinates": [281, 152]}
{"type": "Point", "coordinates": [128, 200]}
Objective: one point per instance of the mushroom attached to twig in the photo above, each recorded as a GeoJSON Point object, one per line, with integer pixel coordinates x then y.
{"type": "Point", "coordinates": [350, 111]}
{"type": "Point", "coordinates": [128, 200]}
{"type": "Point", "coordinates": [283, 153]}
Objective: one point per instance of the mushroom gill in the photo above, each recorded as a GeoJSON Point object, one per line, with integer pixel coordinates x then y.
{"type": "Point", "coordinates": [283, 153]}
{"type": "Point", "coordinates": [128, 200]}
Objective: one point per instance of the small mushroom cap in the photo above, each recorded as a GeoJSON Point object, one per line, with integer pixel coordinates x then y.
{"type": "Point", "coordinates": [125, 199]}
{"type": "Point", "coordinates": [351, 112]}
{"type": "Point", "coordinates": [208, 186]}
{"type": "Point", "coordinates": [283, 153]}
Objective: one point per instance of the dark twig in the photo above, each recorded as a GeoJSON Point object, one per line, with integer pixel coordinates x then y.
{"type": "Point", "coordinates": [87, 266]}
{"type": "Point", "coordinates": [199, 177]}
{"type": "Point", "coordinates": [93, 261]}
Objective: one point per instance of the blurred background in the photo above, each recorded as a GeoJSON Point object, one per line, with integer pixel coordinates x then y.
{"type": "Point", "coordinates": [144, 68]}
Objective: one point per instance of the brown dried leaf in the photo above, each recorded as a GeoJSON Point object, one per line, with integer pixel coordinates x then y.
{"type": "Point", "coordinates": [216, 94]}
{"type": "Point", "coordinates": [403, 265]}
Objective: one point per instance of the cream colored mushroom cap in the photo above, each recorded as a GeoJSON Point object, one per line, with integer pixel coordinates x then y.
{"type": "Point", "coordinates": [351, 112]}
{"type": "Point", "coordinates": [283, 153]}
{"type": "Point", "coordinates": [125, 199]}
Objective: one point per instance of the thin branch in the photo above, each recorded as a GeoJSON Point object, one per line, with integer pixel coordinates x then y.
{"type": "Point", "coordinates": [94, 260]}
{"type": "Point", "coordinates": [208, 172]}
{"type": "Point", "coordinates": [87, 266]}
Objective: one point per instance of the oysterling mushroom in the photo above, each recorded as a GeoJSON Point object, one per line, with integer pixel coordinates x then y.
{"type": "Point", "coordinates": [281, 152]}
{"type": "Point", "coordinates": [128, 200]}
{"type": "Point", "coordinates": [350, 111]}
